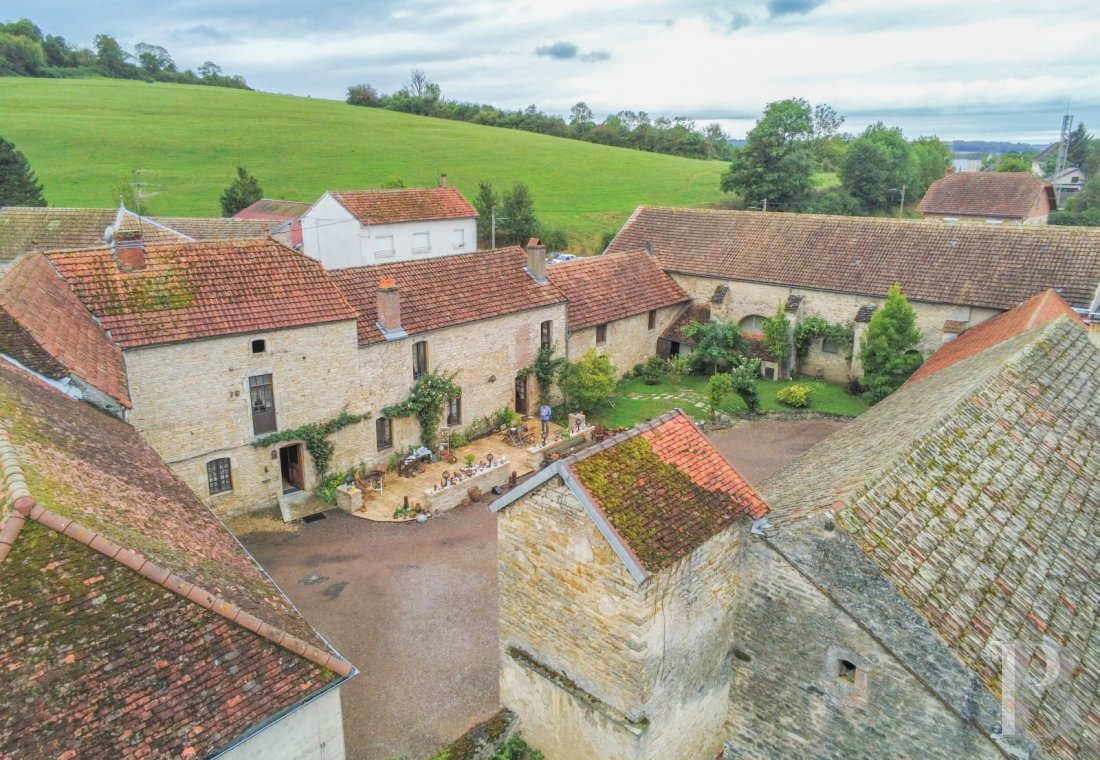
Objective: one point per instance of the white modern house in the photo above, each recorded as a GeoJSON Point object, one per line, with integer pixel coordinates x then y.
{"type": "Point", "coordinates": [360, 228]}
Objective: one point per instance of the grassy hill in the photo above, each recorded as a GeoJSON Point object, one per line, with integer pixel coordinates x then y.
{"type": "Point", "coordinates": [84, 137]}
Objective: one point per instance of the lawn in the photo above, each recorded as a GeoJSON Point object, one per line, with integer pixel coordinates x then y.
{"type": "Point", "coordinates": [637, 402]}
{"type": "Point", "coordinates": [85, 137]}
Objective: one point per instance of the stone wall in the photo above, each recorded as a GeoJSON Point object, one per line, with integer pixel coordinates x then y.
{"type": "Point", "coordinates": [314, 730]}
{"type": "Point", "coordinates": [788, 697]}
{"type": "Point", "coordinates": [484, 356]}
{"type": "Point", "coordinates": [629, 341]}
{"type": "Point", "coordinates": [747, 298]}
{"type": "Point", "coordinates": [191, 403]}
{"type": "Point", "coordinates": [595, 665]}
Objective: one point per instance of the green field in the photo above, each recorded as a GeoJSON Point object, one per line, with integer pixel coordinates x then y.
{"type": "Point", "coordinates": [635, 402]}
{"type": "Point", "coordinates": [84, 138]}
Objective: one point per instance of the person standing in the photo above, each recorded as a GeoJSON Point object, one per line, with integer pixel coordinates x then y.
{"type": "Point", "coordinates": [544, 415]}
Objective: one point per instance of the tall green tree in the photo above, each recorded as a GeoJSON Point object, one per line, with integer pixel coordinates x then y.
{"type": "Point", "coordinates": [587, 382]}
{"type": "Point", "coordinates": [18, 184]}
{"type": "Point", "coordinates": [717, 345]}
{"type": "Point", "coordinates": [112, 59]}
{"type": "Point", "coordinates": [485, 201]}
{"type": "Point", "coordinates": [241, 193]}
{"type": "Point", "coordinates": [519, 223]}
{"type": "Point", "coordinates": [777, 336]}
{"type": "Point", "coordinates": [887, 348]}
{"type": "Point", "coordinates": [931, 157]}
{"type": "Point", "coordinates": [776, 163]}
{"type": "Point", "coordinates": [1077, 152]}
{"type": "Point", "coordinates": [20, 55]}
{"type": "Point", "coordinates": [877, 166]}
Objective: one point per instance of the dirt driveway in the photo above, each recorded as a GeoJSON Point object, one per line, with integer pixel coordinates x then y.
{"type": "Point", "coordinates": [414, 607]}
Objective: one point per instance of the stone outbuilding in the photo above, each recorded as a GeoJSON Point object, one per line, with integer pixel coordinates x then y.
{"type": "Point", "coordinates": [615, 571]}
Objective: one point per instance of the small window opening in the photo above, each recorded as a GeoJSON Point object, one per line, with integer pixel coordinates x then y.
{"type": "Point", "coordinates": [259, 346]}
{"type": "Point", "coordinates": [846, 671]}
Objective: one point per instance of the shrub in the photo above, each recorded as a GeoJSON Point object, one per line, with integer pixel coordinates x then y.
{"type": "Point", "coordinates": [797, 396]}
{"type": "Point", "coordinates": [327, 490]}
{"type": "Point", "coordinates": [676, 367]}
{"type": "Point", "coordinates": [457, 440]}
{"type": "Point", "coordinates": [506, 417]}
{"type": "Point", "coordinates": [653, 370]}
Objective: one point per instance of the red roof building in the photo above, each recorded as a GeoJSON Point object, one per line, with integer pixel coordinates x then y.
{"type": "Point", "coordinates": [989, 197]}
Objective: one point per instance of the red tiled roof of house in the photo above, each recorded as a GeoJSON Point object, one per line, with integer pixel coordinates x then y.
{"type": "Point", "coordinates": [1037, 310]}
{"type": "Point", "coordinates": [664, 488]}
{"type": "Point", "coordinates": [134, 622]}
{"type": "Point", "coordinates": [604, 288]}
{"type": "Point", "coordinates": [994, 266]}
{"type": "Point", "coordinates": [692, 314]}
{"type": "Point", "coordinates": [45, 327]}
{"type": "Point", "coordinates": [268, 208]}
{"type": "Point", "coordinates": [202, 289]}
{"type": "Point", "coordinates": [447, 290]}
{"type": "Point", "coordinates": [406, 205]}
{"type": "Point", "coordinates": [214, 228]}
{"type": "Point", "coordinates": [1008, 195]}
{"type": "Point", "coordinates": [25, 229]}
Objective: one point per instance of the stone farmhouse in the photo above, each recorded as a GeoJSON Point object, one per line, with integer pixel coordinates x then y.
{"type": "Point", "coordinates": [742, 265]}
{"type": "Point", "coordinates": [920, 585]}
{"type": "Point", "coordinates": [24, 229]}
{"type": "Point", "coordinates": [364, 227]}
{"type": "Point", "coordinates": [134, 623]}
{"type": "Point", "coordinates": [990, 197]}
{"type": "Point", "coordinates": [614, 570]}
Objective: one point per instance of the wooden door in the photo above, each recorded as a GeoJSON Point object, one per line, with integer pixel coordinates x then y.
{"type": "Point", "coordinates": [521, 395]}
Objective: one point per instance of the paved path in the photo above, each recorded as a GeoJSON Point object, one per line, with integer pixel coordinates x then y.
{"type": "Point", "coordinates": [757, 449]}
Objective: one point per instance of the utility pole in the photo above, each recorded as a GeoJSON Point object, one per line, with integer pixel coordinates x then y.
{"type": "Point", "coordinates": [765, 205]}
{"type": "Point", "coordinates": [901, 206]}
{"type": "Point", "coordinates": [493, 229]}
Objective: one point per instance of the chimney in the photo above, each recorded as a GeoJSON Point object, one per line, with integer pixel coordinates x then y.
{"type": "Point", "coordinates": [389, 310]}
{"type": "Point", "coordinates": [443, 179]}
{"type": "Point", "coordinates": [129, 247]}
{"type": "Point", "coordinates": [536, 261]}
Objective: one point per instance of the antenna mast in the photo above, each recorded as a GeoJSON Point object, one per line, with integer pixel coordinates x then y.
{"type": "Point", "coordinates": [1063, 144]}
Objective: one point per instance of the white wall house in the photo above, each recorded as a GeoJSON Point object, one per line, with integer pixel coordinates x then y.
{"type": "Point", "coordinates": [351, 229]}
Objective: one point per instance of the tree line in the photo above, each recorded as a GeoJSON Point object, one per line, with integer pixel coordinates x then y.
{"type": "Point", "coordinates": [794, 142]}
{"type": "Point", "coordinates": [25, 51]}
{"type": "Point", "coordinates": [678, 136]}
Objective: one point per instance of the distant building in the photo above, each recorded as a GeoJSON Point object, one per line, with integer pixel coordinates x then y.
{"type": "Point", "coordinates": [991, 197]}
{"type": "Point", "coordinates": [365, 227]}
{"type": "Point", "coordinates": [288, 213]}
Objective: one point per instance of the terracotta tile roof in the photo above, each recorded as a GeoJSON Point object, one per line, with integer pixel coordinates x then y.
{"type": "Point", "coordinates": [694, 313]}
{"type": "Point", "coordinates": [267, 208]}
{"type": "Point", "coordinates": [975, 493]}
{"type": "Point", "coordinates": [446, 291]}
{"type": "Point", "coordinates": [604, 288]}
{"type": "Point", "coordinates": [1037, 310]}
{"type": "Point", "coordinates": [44, 326]}
{"type": "Point", "coordinates": [25, 229]}
{"type": "Point", "coordinates": [664, 488]}
{"type": "Point", "coordinates": [214, 228]}
{"type": "Point", "coordinates": [1008, 195]}
{"type": "Point", "coordinates": [202, 289]}
{"type": "Point", "coordinates": [995, 266]}
{"type": "Point", "coordinates": [133, 622]}
{"type": "Point", "coordinates": [407, 205]}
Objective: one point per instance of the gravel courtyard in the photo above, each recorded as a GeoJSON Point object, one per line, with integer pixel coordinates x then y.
{"type": "Point", "coordinates": [414, 606]}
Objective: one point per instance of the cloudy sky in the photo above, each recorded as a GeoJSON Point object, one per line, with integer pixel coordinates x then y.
{"type": "Point", "coordinates": [996, 69]}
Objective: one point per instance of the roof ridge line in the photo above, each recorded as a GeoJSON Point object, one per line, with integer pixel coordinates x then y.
{"type": "Point", "coordinates": [196, 594]}
{"type": "Point", "coordinates": [15, 493]}
{"type": "Point", "coordinates": [25, 508]}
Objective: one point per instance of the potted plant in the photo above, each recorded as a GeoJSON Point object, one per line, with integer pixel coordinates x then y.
{"type": "Point", "coordinates": [470, 463]}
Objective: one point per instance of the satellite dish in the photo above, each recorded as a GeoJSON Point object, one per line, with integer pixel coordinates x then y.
{"type": "Point", "coordinates": [109, 233]}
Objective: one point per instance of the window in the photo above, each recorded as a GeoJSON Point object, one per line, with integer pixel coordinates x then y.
{"type": "Point", "coordinates": [846, 671]}
{"type": "Point", "coordinates": [546, 336]}
{"type": "Point", "coordinates": [259, 346]}
{"type": "Point", "coordinates": [420, 358]}
{"type": "Point", "coordinates": [458, 239]}
{"type": "Point", "coordinates": [219, 475]}
{"type": "Point", "coordinates": [454, 411]}
{"type": "Point", "coordinates": [752, 324]}
{"type": "Point", "coordinates": [262, 394]}
{"type": "Point", "coordinates": [383, 247]}
{"type": "Point", "coordinates": [601, 333]}
{"type": "Point", "coordinates": [652, 319]}
{"type": "Point", "coordinates": [829, 346]}
{"type": "Point", "coordinates": [421, 244]}
{"type": "Point", "coordinates": [383, 433]}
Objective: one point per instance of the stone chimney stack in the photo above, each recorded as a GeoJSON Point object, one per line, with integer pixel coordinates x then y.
{"type": "Point", "coordinates": [129, 248]}
{"type": "Point", "coordinates": [443, 179]}
{"type": "Point", "coordinates": [389, 309]}
{"type": "Point", "coordinates": [536, 261]}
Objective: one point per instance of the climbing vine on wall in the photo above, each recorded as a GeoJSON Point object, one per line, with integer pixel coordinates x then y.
{"type": "Point", "coordinates": [315, 435]}
{"type": "Point", "coordinates": [425, 402]}
{"type": "Point", "coordinates": [810, 328]}
{"type": "Point", "coordinates": [544, 368]}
